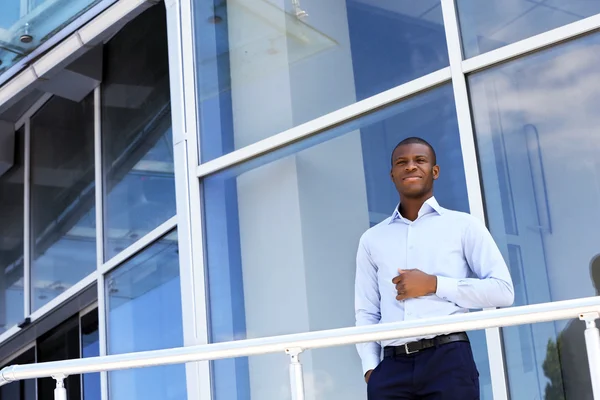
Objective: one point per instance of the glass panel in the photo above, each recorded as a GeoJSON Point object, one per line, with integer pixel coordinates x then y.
{"type": "Point", "coordinates": [11, 230]}
{"type": "Point", "coordinates": [537, 133]}
{"type": "Point", "coordinates": [270, 224]}
{"type": "Point", "coordinates": [136, 131]}
{"type": "Point", "coordinates": [265, 66]}
{"type": "Point", "coordinates": [62, 343]}
{"type": "Point", "coordinates": [20, 390]}
{"type": "Point", "coordinates": [27, 24]}
{"type": "Point", "coordinates": [62, 197]}
{"type": "Point", "coordinates": [144, 313]}
{"type": "Point", "coordinates": [90, 347]}
{"type": "Point", "coordinates": [488, 25]}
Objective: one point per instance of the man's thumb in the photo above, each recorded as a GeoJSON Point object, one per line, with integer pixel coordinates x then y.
{"type": "Point", "coordinates": [402, 271]}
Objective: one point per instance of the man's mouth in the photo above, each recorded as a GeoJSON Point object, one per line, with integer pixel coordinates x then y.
{"type": "Point", "coordinates": [412, 178]}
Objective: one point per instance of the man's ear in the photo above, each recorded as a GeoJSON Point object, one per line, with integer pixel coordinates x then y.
{"type": "Point", "coordinates": [436, 171]}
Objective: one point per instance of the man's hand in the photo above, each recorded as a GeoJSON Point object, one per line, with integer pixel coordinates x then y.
{"type": "Point", "coordinates": [368, 375]}
{"type": "Point", "coordinates": [413, 283]}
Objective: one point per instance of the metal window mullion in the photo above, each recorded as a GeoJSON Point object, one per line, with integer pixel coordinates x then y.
{"type": "Point", "coordinates": [325, 122]}
{"type": "Point", "coordinates": [189, 217]}
{"type": "Point", "coordinates": [471, 168]}
{"type": "Point", "coordinates": [138, 246]}
{"type": "Point", "coordinates": [81, 393]}
{"type": "Point", "coordinates": [44, 98]}
{"type": "Point", "coordinates": [24, 8]}
{"type": "Point", "coordinates": [88, 309]}
{"type": "Point", "coordinates": [102, 334]}
{"type": "Point", "coordinates": [532, 44]}
{"type": "Point", "coordinates": [27, 290]}
{"type": "Point", "coordinates": [71, 292]}
{"type": "Point", "coordinates": [102, 310]}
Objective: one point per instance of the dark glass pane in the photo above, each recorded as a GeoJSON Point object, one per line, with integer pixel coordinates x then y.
{"type": "Point", "coordinates": [536, 122]}
{"type": "Point", "coordinates": [11, 230]}
{"type": "Point", "coordinates": [139, 186]}
{"type": "Point", "coordinates": [62, 197]}
{"type": "Point", "coordinates": [21, 390]}
{"type": "Point", "coordinates": [62, 343]}
{"type": "Point", "coordinates": [286, 225]}
{"type": "Point", "coordinates": [264, 66]}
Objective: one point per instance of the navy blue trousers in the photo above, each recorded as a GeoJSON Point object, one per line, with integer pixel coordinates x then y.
{"type": "Point", "coordinates": [446, 372]}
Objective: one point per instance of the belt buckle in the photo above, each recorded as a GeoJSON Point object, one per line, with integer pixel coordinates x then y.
{"type": "Point", "coordinates": [408, 351]}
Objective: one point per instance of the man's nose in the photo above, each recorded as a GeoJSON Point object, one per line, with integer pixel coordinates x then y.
{"type": "Point", "coordinates": [410, 166]}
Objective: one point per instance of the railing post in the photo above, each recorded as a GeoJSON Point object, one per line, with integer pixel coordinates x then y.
{"type": "Point", "coordinates": [60, 393]}
{"type": "Point", "coordinates": [296, 374]}
{"type": "Point", "coordinates": [592, 343]}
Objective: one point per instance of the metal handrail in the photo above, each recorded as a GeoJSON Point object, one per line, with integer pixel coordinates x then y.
{"type": "Point", "coordinates": [587, 309]}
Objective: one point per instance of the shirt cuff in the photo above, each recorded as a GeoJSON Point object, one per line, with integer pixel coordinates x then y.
{"type": "Point", "coordinates": [371, 361]}
{"type": "Point", "coordinates": [447, 288]}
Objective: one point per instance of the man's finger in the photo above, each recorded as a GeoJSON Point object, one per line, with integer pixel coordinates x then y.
{"type": "Point", "coordinates": [396, 279]}
{"type": "Point", "coordinates": [403, 271]}
{"type": "Point", "coordinates": [401, 297]}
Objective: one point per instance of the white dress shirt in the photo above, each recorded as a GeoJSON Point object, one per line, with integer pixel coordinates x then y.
{"type": "Point", "coordinates": [454, 246]}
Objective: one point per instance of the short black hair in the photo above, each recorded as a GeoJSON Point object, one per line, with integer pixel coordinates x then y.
{"type": "Point", "coordinates": [414, 140]}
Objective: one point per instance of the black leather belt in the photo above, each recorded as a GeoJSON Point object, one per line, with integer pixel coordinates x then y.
{"type": "Point", "coordinates": [415, 347]}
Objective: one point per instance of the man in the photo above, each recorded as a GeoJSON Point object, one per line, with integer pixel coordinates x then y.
{"type": "Point", "coordinates": [424, 261]}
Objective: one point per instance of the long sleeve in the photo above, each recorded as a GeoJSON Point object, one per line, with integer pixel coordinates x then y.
{"type": "Point", "coordinates": [367, 304]}
{"type": "Point", "coordinates": [493, 286]}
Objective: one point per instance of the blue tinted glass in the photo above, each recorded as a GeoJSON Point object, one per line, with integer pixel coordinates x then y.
{"type": "Point", "coordinates": [144, 313]}
{"type": "Point", "coordinates": [537, 123]}
{"type": "Point", "coordinates": [488, 25]}
{"type": "Point", "coordinates": [11, 12]}
{"type": "Point", "coordinates": [139, 184]}
{"type": "Point", "coordinates": [281, 239]}
{"type": "Point", "coordinates": [11, 231]}
{"type": "Point", "coordinates": [27, 24]}
{"type": "Point", "coordinates": [63, 199]}
{"type": "Point", "coordinates": [267, 66]}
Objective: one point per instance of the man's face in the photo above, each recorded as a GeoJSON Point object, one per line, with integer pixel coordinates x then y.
{"type": "Point", "coordinates": [413, 170]}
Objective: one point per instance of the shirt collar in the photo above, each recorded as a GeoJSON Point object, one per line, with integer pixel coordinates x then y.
{"type": "Point", "coordinates": [430, 205]}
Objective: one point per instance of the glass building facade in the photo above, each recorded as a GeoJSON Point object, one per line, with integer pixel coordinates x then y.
{"type": "Point", "coordinates": [186, 172]}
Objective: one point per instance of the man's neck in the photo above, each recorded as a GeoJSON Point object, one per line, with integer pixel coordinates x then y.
{"type": "Point", "coordinates": [410, 207]}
